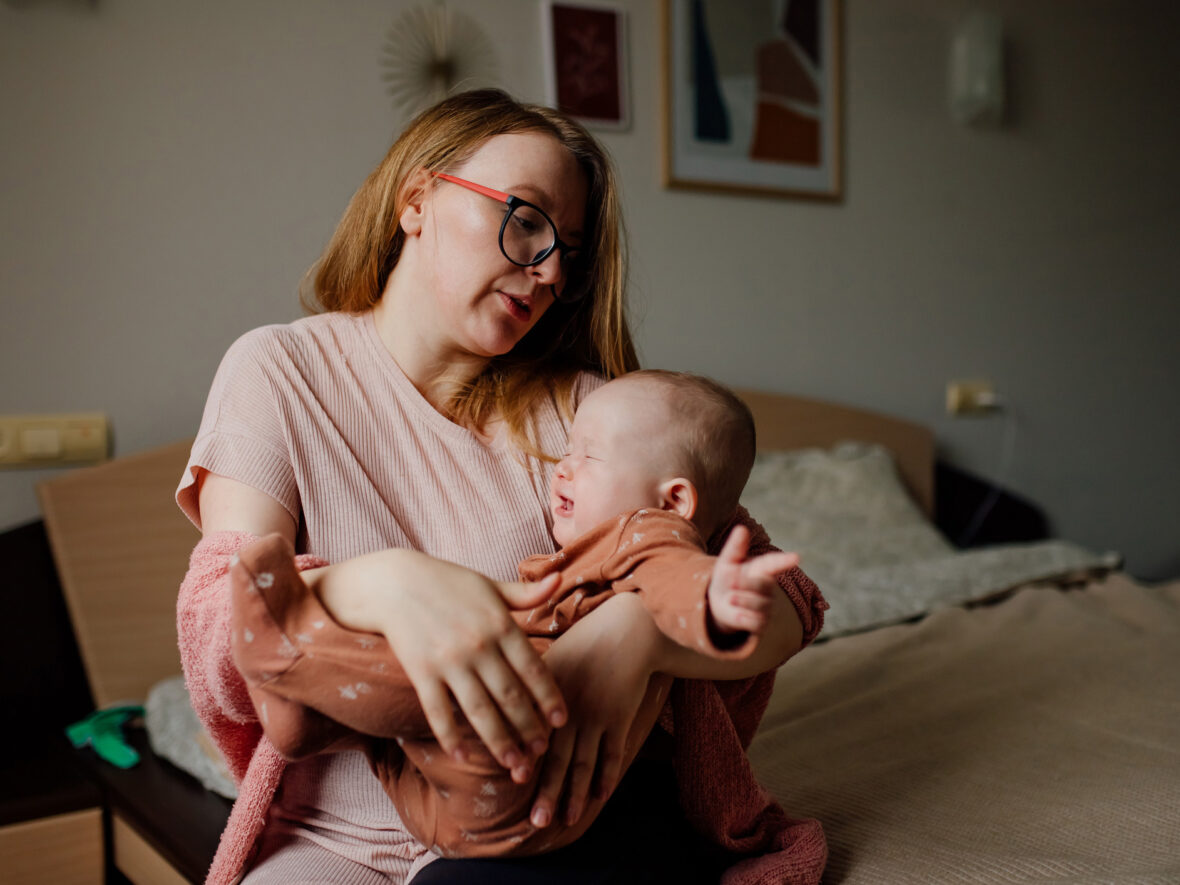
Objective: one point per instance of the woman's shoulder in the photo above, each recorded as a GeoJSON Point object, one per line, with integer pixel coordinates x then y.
{"type": "Point", "coordinates": [306, 339]}
{"type": "Point", "coordinates": [309, 328]}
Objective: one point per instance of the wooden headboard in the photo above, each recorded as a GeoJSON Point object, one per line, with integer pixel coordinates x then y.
{"type": "Point", "coordinates": [122, 546]}
{"type": "Point", "coordinates": [792, 422]}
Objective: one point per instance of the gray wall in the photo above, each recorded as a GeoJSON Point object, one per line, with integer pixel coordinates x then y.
{"type": "Point", "coordinates": [169, 170]}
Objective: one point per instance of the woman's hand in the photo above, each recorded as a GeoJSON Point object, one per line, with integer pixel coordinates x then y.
{"type": "Point", "coordinates": [451, 631]}
{"type": "Point", "coordinates": [604, 665]}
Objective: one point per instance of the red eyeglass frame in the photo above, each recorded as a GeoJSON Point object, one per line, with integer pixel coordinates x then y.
{"type": "Point", "coordinates": [564, 249]}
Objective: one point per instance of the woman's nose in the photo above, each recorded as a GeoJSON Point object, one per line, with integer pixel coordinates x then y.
{"type": "Point", "coordinates": [549, 272]}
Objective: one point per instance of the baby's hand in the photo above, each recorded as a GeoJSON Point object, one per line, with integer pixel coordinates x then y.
{"type": "Point", "coordinates": [741, 589]}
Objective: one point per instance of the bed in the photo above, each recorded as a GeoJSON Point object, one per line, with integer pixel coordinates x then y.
{"type": "Point", "coordinates": [1007, 714]}
{"type": "Point", "coordinates": [1001, 715]}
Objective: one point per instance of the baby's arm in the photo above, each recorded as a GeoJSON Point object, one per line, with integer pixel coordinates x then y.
{"type": "Point", "coordinates": [741, 589]}
{"type": "Point", "coordinates": [661, 557]}
{"type": "Point", "coordinates": [313, 680]}
{"type": "Point", "coordinates": [304, 670]}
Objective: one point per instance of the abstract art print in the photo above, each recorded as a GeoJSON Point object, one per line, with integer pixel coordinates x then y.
{"type": "Point", "coordinates": [586, 62]}
{"type": "Point", "coordinates": [752, 96]}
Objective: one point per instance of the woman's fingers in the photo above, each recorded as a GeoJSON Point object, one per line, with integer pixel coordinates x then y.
{"type": "Point", "coordinates": [500, 693]}
{"type": "Point", "coordinates": [581, 773]}
{"type": "Point", "coordinates": [553, 771]}
{"type": "Point", "coordinates": [485, 717]}
{"type": "Point", "coordinates": [610, 763]}
{"type": "Point", "coordinates": [437, 706]}
{"type": "Point", "coordinates": [515, 703]}
{"type": "Point", "coordinates": [538, 682]}
{"type": "Point", "coordinates": [528, 594]}
{"type": "Point", "coordinates": [536, 677]}
{"type": "Point", "coordinates": [603, 703]}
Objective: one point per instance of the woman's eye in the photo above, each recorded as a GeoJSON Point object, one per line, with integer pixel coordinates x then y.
{"type": "Point", "coordinates": [525, 224]}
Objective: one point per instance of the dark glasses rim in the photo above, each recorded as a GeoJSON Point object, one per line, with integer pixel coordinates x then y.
{"type": "Point", "coordinates": [571, 256]}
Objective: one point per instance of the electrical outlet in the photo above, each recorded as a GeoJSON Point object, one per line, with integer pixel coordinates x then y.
{"type": "Point", "coordinates": [970, 397]}
{"type": "Point", "coordinates": [49, 440]}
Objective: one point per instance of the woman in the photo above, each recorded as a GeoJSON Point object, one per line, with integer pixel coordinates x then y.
{"type": "Point", "coordinates": [474, 293]}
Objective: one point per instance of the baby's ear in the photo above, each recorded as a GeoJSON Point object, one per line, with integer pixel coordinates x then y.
{"type": "Point", "coordinates": [413, 193]}
{"type": "Point", "coordinates": [680, 496]}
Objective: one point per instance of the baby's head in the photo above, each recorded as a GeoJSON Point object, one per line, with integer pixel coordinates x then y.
{"type": "Point", "coordinates": [655, 439]}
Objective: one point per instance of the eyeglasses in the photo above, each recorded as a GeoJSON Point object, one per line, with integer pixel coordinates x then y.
{"type": "Point", "coordinates": [528, 236]}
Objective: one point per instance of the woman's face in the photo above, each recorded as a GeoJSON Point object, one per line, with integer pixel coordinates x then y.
{"type": "Point", "coordinates": [484, 304]}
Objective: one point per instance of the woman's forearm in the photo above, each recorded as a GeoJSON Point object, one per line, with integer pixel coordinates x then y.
{"type": "Point", "coordinates": [348, 590]}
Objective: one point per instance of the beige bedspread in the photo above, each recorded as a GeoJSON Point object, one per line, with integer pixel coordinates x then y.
{"type": "Point", "coordinates": [1034, 740]}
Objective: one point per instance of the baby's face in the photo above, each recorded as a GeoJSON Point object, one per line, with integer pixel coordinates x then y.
{"type": "Point", "coordinates": [615, 461]}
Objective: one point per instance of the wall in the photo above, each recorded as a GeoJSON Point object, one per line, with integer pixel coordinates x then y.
{"type": "Point", "coordinates": [170, 169]}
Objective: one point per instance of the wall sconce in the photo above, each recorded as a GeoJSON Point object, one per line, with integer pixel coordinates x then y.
{"type": "Point", "coordinates": [977, 71]}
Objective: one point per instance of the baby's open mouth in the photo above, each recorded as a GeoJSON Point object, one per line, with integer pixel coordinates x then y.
{"type": "Point", "coordinates": [565, 506]}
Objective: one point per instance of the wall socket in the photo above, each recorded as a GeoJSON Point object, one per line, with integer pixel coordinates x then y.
{"type": "Point", "coordinates": [970, 397]}
{"type": "Point", "coordinates": [52, 440]}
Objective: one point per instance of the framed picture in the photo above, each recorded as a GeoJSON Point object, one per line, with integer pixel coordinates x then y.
{"type": "Point", "coordinates": [586, 62]}
{"type": "Point", "coordinates": [752, 96]}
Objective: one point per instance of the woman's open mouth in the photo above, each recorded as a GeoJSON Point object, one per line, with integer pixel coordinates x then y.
{"type": "Point", "coordinates": [521, 308]}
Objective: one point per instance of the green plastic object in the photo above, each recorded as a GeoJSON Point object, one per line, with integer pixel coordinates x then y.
{"type": "Point", "coordinates": [103, 730]}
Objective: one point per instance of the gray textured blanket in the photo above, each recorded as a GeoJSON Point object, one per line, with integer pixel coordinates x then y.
{"type": "Point", "coordinates": [1034, 740]}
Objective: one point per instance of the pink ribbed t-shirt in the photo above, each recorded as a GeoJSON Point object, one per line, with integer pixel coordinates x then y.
{"type": "Point", "coordinates": [318, 415]}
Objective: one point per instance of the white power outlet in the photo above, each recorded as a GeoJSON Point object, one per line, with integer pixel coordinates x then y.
{"type": "Point", "coordinates": [970, 397]}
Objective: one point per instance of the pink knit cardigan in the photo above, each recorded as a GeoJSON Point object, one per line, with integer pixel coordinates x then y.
{"type": "Point", "coordinates": [712, 724]}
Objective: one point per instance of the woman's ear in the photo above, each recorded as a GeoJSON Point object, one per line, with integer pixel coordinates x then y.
{"type": "Point", "coordinates": [414, 192]}
{"type": "Point", "coordinates": [680, 496]}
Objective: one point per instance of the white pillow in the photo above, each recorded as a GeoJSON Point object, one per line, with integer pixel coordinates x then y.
{"type": "Point", "coordinates": [176, 734]}
{"type": "Point", "coordinates": [872, 551]}
{"type": "Point", "coordinates": [839, 509]}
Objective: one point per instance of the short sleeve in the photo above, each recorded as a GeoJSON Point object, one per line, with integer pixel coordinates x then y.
{"type": "Point", "coordinates": [242, 434]}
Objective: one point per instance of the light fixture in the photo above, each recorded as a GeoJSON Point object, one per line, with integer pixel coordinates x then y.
{"type": "Point", "coordinates": [431, 52]}
{"type": "Point", "coordinates": [977, 71]}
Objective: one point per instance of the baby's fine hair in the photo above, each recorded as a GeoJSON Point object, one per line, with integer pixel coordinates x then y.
{"type": "Point", "coordinates": [717, 439]}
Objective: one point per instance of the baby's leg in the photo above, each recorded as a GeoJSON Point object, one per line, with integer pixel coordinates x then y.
{"type": "Point", "coordinates": [473, 809]}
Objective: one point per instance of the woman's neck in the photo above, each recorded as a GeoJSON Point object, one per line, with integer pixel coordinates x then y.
{"type": "Point", "coordinates": [435, 371]}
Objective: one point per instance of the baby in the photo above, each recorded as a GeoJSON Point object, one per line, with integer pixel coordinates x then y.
{"type": "Point", "coordinates": [656, 463]}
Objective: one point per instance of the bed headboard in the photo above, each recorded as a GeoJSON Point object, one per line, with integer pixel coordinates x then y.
{"type": "Point", "coordinates": [122, 546]}
{"type": "Point", "coordinates": [793, 422]}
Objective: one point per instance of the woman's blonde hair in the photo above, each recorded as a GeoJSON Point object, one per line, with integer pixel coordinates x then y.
{"type": "Point", "coordinates": [589, 335]}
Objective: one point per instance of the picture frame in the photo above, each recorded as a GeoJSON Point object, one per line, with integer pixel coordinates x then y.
{"type": "Point", "coordinates": [586, 62]}
{"type": "Point", "coordinates": [753, 97]}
